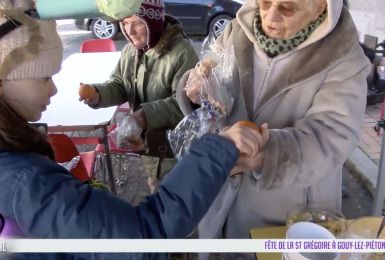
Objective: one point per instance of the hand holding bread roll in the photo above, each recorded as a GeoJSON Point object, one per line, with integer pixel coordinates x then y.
{"type": "Point", "coordinates": [198, 78]}
{"type": "Point", "coordinates": [205, 66]}
{"type": "Point", "coordinates": [250, 140]}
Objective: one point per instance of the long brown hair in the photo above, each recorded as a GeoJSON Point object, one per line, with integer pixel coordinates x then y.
{"type": "Point", "coordinates": [17, 135]}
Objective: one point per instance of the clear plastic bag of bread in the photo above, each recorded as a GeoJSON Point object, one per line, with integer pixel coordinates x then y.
{"type": "Point", "coordinates": [216, 68]}
{"type": "Point", "coordinates": [127, 135]}
{"type": "Point", "coordinates": [217, 98]}
{"type": "Point", "coordinates": [205, 119]}
{"type": "Point", "coordinates": [184, 134]}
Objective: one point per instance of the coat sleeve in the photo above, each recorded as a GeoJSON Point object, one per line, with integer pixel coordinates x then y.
{"type": "Point", "coordinates": [320, 142]}
{"type": "Point", "coordinates": [166, 112]}
{"type": "Point", "coordinates": [114, 92]}
{"type": "Point", "coordinates": [185, 105]}
{"type": "Point", "coordinates": [49, 204]}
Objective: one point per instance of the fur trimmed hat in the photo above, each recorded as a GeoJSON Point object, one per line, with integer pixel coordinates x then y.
{"type": "Point", "coordinates": [151, 12]}
{"type": "Point", "coordinates": [29, 47]}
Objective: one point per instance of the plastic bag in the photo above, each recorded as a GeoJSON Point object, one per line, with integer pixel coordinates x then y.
{"type": "Point", "coordinates": [216, 67]}
{"type": "Point", "coordinates": [127, 135]}
{"type": "Point", "coordinates": [217, 98]}
{"type": "Point", "coordinates": [71, 164]}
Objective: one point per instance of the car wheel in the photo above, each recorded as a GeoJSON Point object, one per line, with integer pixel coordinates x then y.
{"type": "Point", "coordinates": [102, 29]}
{"type": "Point", "coordinates": [218, 24]}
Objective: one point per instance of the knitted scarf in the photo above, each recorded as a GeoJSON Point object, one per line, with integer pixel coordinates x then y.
{"type": "Point", "coordinates": [273, 47]}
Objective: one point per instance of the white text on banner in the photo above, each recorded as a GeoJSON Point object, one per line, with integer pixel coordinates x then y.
{"type": "Point", "coordinates": [191, 245]}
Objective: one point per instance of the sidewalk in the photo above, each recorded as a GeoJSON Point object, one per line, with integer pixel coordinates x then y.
{"type": "Point", "coordinates": [363, 163]}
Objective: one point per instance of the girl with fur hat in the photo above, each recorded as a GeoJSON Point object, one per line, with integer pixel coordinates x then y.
{"type": "Point", "coordinates": [299, 68]}
{"type": "Point", "coordinates": [40, 199]}
{"type": "Point", "coordinates": [156, 56]}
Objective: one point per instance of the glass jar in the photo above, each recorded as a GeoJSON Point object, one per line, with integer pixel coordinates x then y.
{"type": "Point", "coordinates": [365, 228]}
{"type": "Point", "coordinates": [331, 219]}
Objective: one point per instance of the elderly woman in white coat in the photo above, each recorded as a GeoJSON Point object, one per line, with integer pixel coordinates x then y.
{"type": "Point", "coordinates": [299, 67]}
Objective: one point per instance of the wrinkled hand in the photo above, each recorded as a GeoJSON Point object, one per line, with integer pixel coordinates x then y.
{"type": "Point", "coordinates": [194, 85]}
{"type": "Point", "coordinates": [248, 140]}
{"type": "Point", "coordinates": [250, 143]}
{"type": "Point", "coordinates": [88, 94]}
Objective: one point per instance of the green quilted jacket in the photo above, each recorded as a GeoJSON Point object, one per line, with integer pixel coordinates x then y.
{"type": "Point", "coordinates": [158, 73]}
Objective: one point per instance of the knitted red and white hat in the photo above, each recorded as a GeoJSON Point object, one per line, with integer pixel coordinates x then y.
{"type": "Point", "coordinates": [151, 12]}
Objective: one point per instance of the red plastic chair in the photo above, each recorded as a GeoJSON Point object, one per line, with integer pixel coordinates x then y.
{"type": "Point", "coordinates": [98, 45]}
{"type": "Point", "coordinates": [65, 150]}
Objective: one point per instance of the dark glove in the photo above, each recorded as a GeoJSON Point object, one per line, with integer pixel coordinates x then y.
{"type": "Point", "coordinates": [140, 118]}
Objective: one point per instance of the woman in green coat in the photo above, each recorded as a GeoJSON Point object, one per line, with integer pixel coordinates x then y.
{"type": "Point", "coordinates": [151, 64]}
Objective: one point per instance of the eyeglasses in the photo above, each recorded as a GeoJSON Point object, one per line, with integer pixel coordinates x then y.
{"type": "Point", "coordinates": [286, 9]}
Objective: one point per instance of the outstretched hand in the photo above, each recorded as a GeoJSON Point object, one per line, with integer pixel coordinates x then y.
{"type": "Point", "coordinates": [250, 142]}
{"type": "Point", "coordinates": [88, 94]}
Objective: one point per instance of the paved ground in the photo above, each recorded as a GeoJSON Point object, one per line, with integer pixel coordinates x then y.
{"type": "Point", "coordinates": [356, 201]}
{"type": "Point", "coordinates": [130, 179]}
{"type": "Point", "coordinates": [370, 140]}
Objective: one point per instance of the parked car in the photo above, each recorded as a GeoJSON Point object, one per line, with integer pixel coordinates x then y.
{"type": "Point", "coordinates": [198, 17]}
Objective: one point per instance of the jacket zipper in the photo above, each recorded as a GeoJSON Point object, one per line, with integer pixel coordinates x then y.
{"type": "Point", "coordinates": [266, 72]}
{"type": "Point", "coordinates": [138, 58]}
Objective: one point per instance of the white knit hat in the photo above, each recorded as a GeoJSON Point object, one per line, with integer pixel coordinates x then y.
{"type": "Point", "coordinates": [33, 49]}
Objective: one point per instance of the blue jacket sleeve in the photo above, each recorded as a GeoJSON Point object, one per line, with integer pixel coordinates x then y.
{"type": "Point", "coordinates": [48, 204]}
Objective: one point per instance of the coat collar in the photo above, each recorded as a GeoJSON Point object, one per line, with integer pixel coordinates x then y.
{"type": "Point", "coordinates": [304, 63]}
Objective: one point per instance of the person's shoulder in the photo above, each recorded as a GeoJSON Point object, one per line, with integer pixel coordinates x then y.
{"type": "Point", "coordinates": [174, 42]}
{"type": "Point", "coordinates": [179, 42]}
{"type": "Point", "coordinates": [127, 56]}
{"type": "Point", "coordinates": [183, 51]}
{"type": "Point", "coordinates": [18, 164]}
{"type": "Point", "coordinates": [173, 27]}
{"type": "Point", "coordinates": [128, 49]}
{"type": "Point", "coordinates": [173, 33]}
{"type": "Point", "coordinates": [12, 161]}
